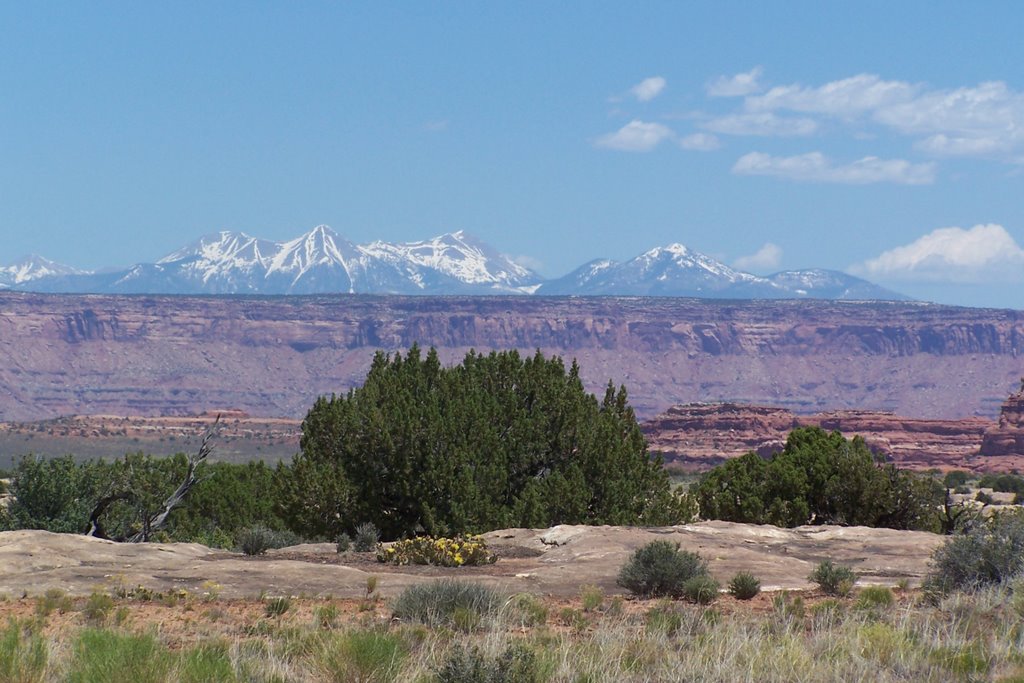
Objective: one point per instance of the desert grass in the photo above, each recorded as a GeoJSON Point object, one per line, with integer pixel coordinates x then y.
{"type": "Point", "coordinates": [976, 636]}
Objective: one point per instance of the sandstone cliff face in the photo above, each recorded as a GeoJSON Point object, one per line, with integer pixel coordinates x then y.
{"type": "Point", "coordinates": [165, 355]}
{"type": "Point", "coordinates": [1006, 438]}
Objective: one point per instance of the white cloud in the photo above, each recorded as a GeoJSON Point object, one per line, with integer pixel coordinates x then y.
{"type": "Point", "coordinates": [815, 167]}
{"type": "Point", "coordinates": [700, 142]}
{"type": "Point", "coordinates": [761, 123]}
{"type": "Point", "coordinates": [844, 98]}
{"type": "Point", "coordinates": [982, 254]}
{"type": "Point", "coordinates": [768, 257]}
{"type": "Point", "coordinates": [636, 136]}
{"type": "Point", "coordinates": [737, 85]}
{"type": "Point", "coordinates": [649, 88]}
{"type": "Point", "coordinates": [986, 120]}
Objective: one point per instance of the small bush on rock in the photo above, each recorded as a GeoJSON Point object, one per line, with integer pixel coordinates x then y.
{"type": "Point", "coordinates": [441, 552]}
{"type": "Point", "coordinates": [344, 543]}
{"type": "Point", "coordinates": [833, 579]}
{"type": "Point", "coordinates": [366, 539]}
{"type": "Point", "coordinates": [517, 664]}
{"type": "Point", "coordinates": [258, 539]}
{"type": "Point", "coordinates": [744, 586]}
{"type": "Point", "coordinates": [659, 569]}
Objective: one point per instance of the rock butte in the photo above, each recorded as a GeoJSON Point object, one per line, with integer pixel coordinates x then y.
{"type": "Point", "coordinates": [271, 356]}
{"type": "Point", "coordinates": [699, 436]}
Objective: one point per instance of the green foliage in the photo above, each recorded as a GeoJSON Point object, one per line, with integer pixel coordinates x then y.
{"type": "Point", "coordinates": [102, 655]}
{"type": "Point", "coordinates": [440, 552]}
{"type": "Point", "coordinates": [277, 606]}
{"type": "Point", "coordinates": [368, 655]}
{"type": "Point", "coordinates": [344, 543]}
{"type": "Point", "coordinates": [97, 608]}
{"type": "Point", "coordinates": [440, 601]}
{"type": "Point", "coordinates": [366, 539]}
{"type": "Point", "coordinates": [744, 586]}
{"type": "Point", "coordinates": [1002, 483]}
{"type": "Point", "coordinates": [206, 663]}
{"type": "Point", "coordinates": [495, 442]}
{"type": "Point", "coordinates": [256, 540]}
{"type": "Point", "coordinates": [818, 478]}
{"type": "Point", "coordinates": [955, 479]}
{"type": "Point", "coordinates": [701, 589]}
{"type": "Point", "coordinates": [833, 579]}
{"type": "Point", "coordinates": [872, 597]}
{"type": "Point", "coordinates": [659, 569]}
{"type": "Point", "coordinates": [23, 654]}
{"type": "Point", "coordinates": [990, 552]}
{"type": "Point", "coordinates": [516, 664]}
{"type": "Point", "coordinates": [59, 494]}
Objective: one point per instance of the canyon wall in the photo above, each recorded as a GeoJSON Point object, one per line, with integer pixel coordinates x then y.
{"type": "Point", "coordinates": [271, 356]}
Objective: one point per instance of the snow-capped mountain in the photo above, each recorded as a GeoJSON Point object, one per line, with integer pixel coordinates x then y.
{"type": "Point", "coordinates": [319, 261]}
{"type": "Point", "coordinates": [817, 283]}
{"type": "Point", "coordinates": [676, 270]}
{"type": "Point", "coordinates": [322, 261]}
{"type": "Point", "coordinates": [30, 268]}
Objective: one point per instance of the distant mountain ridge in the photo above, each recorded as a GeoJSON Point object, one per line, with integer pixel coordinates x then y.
{"type": "Point", "coordinates": [321, 261]}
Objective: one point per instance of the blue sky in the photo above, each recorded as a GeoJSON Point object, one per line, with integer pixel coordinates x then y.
{"type": "Point", "coordinates": [885, 139]}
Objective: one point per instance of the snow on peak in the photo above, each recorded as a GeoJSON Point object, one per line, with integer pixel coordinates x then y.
{"type": "Point", "coordinates": [34, 267]}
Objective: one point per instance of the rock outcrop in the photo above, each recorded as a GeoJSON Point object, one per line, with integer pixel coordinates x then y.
{"type": "Point", "coordinates": [701, 436]}
{"type": "Point", "coordinates": [172, 355]}
{"type": "Point", "coordinates": [1006, 437]}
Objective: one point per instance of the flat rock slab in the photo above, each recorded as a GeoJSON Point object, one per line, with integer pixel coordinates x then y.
{"type": "Point", "coordinates": [555, 561]}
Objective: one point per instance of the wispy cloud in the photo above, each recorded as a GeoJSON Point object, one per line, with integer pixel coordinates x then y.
{"type": "Point", "coordinates": [649, 88]}
{"type": "Point", "coordinates": [816, 167]}
{"type": "Point", "coordinates": [736, 86]}
{"type": "Point", "coordinates": [984, 253]}
{"type": "Point", "coordinates": [768, 257]}
{"type": "Point", "coordinates": [700, 142]}
{"type": "Point", "coordinates": [763, 123]}
{"type": "Point", "coordinates": [986, 120]}
{"type": "Point", "coordinates": [636, 136]}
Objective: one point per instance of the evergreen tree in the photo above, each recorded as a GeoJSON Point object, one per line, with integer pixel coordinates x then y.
{"type": "Point", "coordinates": [496, 441]}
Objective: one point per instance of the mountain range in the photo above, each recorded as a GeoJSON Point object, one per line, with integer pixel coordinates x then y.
{"type": "Point", "coordinates": [321, 261]}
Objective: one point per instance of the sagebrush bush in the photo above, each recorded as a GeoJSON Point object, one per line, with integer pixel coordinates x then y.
{"type": "Point", "coordinates": [366, 538]}
{"type": "Point", "coordinates": [258, 539]}
{"type": "Point", "coordinates": [441, 601]}
{"type": "Point", "coordinates": [833, 579]}
{"type": "Point", "coordinates": [517, 664]}
{"type": "Point", "coordinates": [344, 543]}
{"type": "Point", "coordinates": [744, 586]}
{"type": "Point", "coordinates": [275, 607]}
{"type": "Point", "coordinates": [97, 607]}
{"type": "Point", "coordinates": [701, 589]}
{"type": "Point", "coordinates": [442, 552]}
{"type": "Point", "coordinates": [659, 569]}
{"type": "Point", "coordinates": [988, 553]}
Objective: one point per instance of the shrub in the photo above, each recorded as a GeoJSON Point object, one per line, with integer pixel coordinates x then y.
{"type": "Point", "coordinates": [275, 607]}
{"type": "Point", "coordinates": [97, 607]}
{"type": "Point", "coordinates": [366, 539]}
{"type": "Point", "coordinates": [660, 569]}
{"type": "Point", "coordinates": [206, 663]}
{"type": "Point", "coordinates": [955, 479]}
{"type": "Point", "coordinates": [833, 579]}
{"type": "Point", "coordinates": [368, 655]}
{"type": "Point", "coordinates": [517, 664]}
{"type": "Point", "coordinates": [989, 553]}
{"type": "Point", "coordinates": [258, 539]}
{"type": "Point", "coordinates": [344, 543]}
{"type": "Point", "coordinates": [591, 598]}
{"type": "Point", "coordinates": [530, 610]}
{"type": "Point", "coordinates": [442, 552]}
{"type": "Point", "coordinates": [872, 597]}
{"type": "Point", "coordinates": [437, 602]}
{"type": "Point", "coordinates": [744, 586]}
{"type": "Point", "coordinates": [23, 654]}
{"type": "Point", "coordinates": [701, 589]}
{"type": "Point", "coordinates": [255, 540]}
